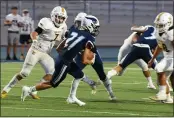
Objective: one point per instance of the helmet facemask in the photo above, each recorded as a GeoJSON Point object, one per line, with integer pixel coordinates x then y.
{"type": "Point", "coordinates": [59, 19]}
{"type": "Point", "coordinates": [96, 31]}
{"type": "Point", "coordinates": [77, 24]}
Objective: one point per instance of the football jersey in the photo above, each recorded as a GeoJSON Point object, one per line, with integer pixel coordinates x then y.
{"type": "Point", "coordinates": [147, 38]}
{"type": "Point", "coordinates": [76, 42]}
{"type": "Point", "coordinates": [165, 42]}
{"type": "Point", "coordinates": [15, 19]}
{"type": "Point", "coordinates": [28, 25]}
{"type": "Point", "coordinates": [49, 35]}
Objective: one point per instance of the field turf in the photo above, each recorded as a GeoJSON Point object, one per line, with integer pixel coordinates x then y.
{"type": "Point", "coordinates": [130, 89]}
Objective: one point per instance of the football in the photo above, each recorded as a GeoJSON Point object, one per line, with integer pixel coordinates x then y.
{"type": "Point", "coordinates": [91, 55]}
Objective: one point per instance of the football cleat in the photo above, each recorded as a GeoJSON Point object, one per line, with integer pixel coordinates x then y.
{"type": "Point", "coordinates": [25, 92]}
{"type": "Point", "coordinates": [169, 100]}
{"type": "Point", "coordinates": [34, 96]}
{"type": "Point", "coordinates": [73, 100]}
{"type": "Point", "coordinates": [3, 94]}
{"type": "Point", "coordinates": [151, 86]}
{"type": "Point", "coordinates": [112, 97]}
{"type": "Point", "coordinates": [159, 96]}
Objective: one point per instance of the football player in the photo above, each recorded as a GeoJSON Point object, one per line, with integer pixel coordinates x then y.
{"type": "Point", "coordinates": [141, 49]}
{"type": "Point", "coordinates": [28, 27]}
{"type": "Point", "coordinates": [164, 69]}
{"type": "Point", "coordinates": [97, 65]}
{"type": "Point", "coordinates": [77, 24]}
{"type": "Point", "coordinates": [77, 41]}
{"type": "Point", "coordinates": [125, 49]}
{"type": "Point", "coordinates": [48, 31]}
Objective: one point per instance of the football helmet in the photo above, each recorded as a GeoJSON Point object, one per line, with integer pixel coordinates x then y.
{"type": "Point", "coordinates": [163, 22]}
{"type": "Point", "coordinates": [58, 16]}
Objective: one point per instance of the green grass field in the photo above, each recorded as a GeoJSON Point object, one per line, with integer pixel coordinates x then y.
{"type": "Point", "coordinates": [130, 90]}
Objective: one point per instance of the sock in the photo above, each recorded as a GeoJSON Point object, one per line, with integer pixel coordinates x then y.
{"type": "Point", "coordinates": [149, 79]}
{"type": "Point", "coordinates": [111, 73]}
{"type": "Point", "coordinates": [33, 89]}
{"type": "Point", "coordinates": [87, 80]}
{"type": "Point", "coordinates": [108, 86]}
{"type": "Point", "coordinates": [11, 84]}
{"type": "Point", "coordinates": [162, 88]}
{"type": "Point", "coordinates": [74, 86]}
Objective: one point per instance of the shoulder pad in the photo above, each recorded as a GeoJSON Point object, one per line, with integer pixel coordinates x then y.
{"type": "Point", "coordinates": [45, 23]}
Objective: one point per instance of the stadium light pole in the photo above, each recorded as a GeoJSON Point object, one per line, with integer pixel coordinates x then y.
{"type": "Point", "coordinates": [133, 12]}
{"type": "Point", "coordinates": [33, 10]}
{"type": "Point", "coordinates": [109, 11]}
{"type": "Point", "coordinates": [20, 5]}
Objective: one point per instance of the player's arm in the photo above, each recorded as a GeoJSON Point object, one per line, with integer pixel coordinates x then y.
{"type": "Point", "coordinates": [34, 34]}
{"type": "Point", "coordinates": [139, 29]}
{"type": "Point", "coordinates": [7, 21]}
{"type": "Point", "coordinates": [88, 54]}
{"type": "Point", "coordinates": [158, 49]}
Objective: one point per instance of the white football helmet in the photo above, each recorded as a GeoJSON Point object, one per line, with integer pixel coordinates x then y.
{"type": "Point", "coordinates": [80, 16]}
{"type": "Point", "coordinates": [78, 19]}
{"type": "Point", "coordinates": [58, 15]}
{"type": "Point", "coordinates": [88, 25]}
{"type": "Point", "coordinates": [96, 22]}
{"type": "Point", "coordinates": [163, 22]}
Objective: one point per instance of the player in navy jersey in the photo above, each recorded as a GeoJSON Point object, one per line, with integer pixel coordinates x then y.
{"type": "Point", "coordinates": [146, 42]}
{"type": "Point", "coordinates": [77, 41]}
{"type": "Point", "coordinates": [97, 65]}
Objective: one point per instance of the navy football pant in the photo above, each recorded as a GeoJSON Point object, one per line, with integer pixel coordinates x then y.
{"type": "Point", "coordinates": [62, 68]}
{"type": "Point", "coordinates": [137, 53]}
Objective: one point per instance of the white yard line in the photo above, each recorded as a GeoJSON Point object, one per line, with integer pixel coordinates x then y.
{"type": "Point", "coordinates": [66, 110]}
{"type": "Point", "coordinates": [112, 113]}
{"type": "Point", "coordinates": [107, 68]}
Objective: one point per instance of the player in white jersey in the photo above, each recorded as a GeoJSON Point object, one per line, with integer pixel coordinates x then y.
{"type": "Point", "coordinates": [25, 30]}
{"type": "Point", "coordinates": [48, 31]}
{"type": "Point", "coordinates": [164, 34]}
{"type": "Point", "coordinates": [12, 20]}
{"type": "Point", "coordinates": [125, 49]}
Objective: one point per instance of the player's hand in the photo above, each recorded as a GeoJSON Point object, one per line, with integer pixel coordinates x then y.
{"type": "Point", "coordinates": [20, 24]}
{"type": "Point", "coordinates": [8, 23]}
{"type": "Point", "coordinates": [150, 63]}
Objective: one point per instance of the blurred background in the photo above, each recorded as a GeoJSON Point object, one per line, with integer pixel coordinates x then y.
{"type": "Point", "coordinates": [116, 18]}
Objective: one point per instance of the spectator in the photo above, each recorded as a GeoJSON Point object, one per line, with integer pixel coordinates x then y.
{"type": "Point", "coordinates": [12, 20]}
{"type": "Point", "coordinates": [26, 29]}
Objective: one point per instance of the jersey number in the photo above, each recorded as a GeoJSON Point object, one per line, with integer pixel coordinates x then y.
{"type": "Point", "coordinates": [56, 36]}
{"type": "Point", "coordinates": [25, 28]}
{"type": "Point", "coordinates": [74, 36]}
